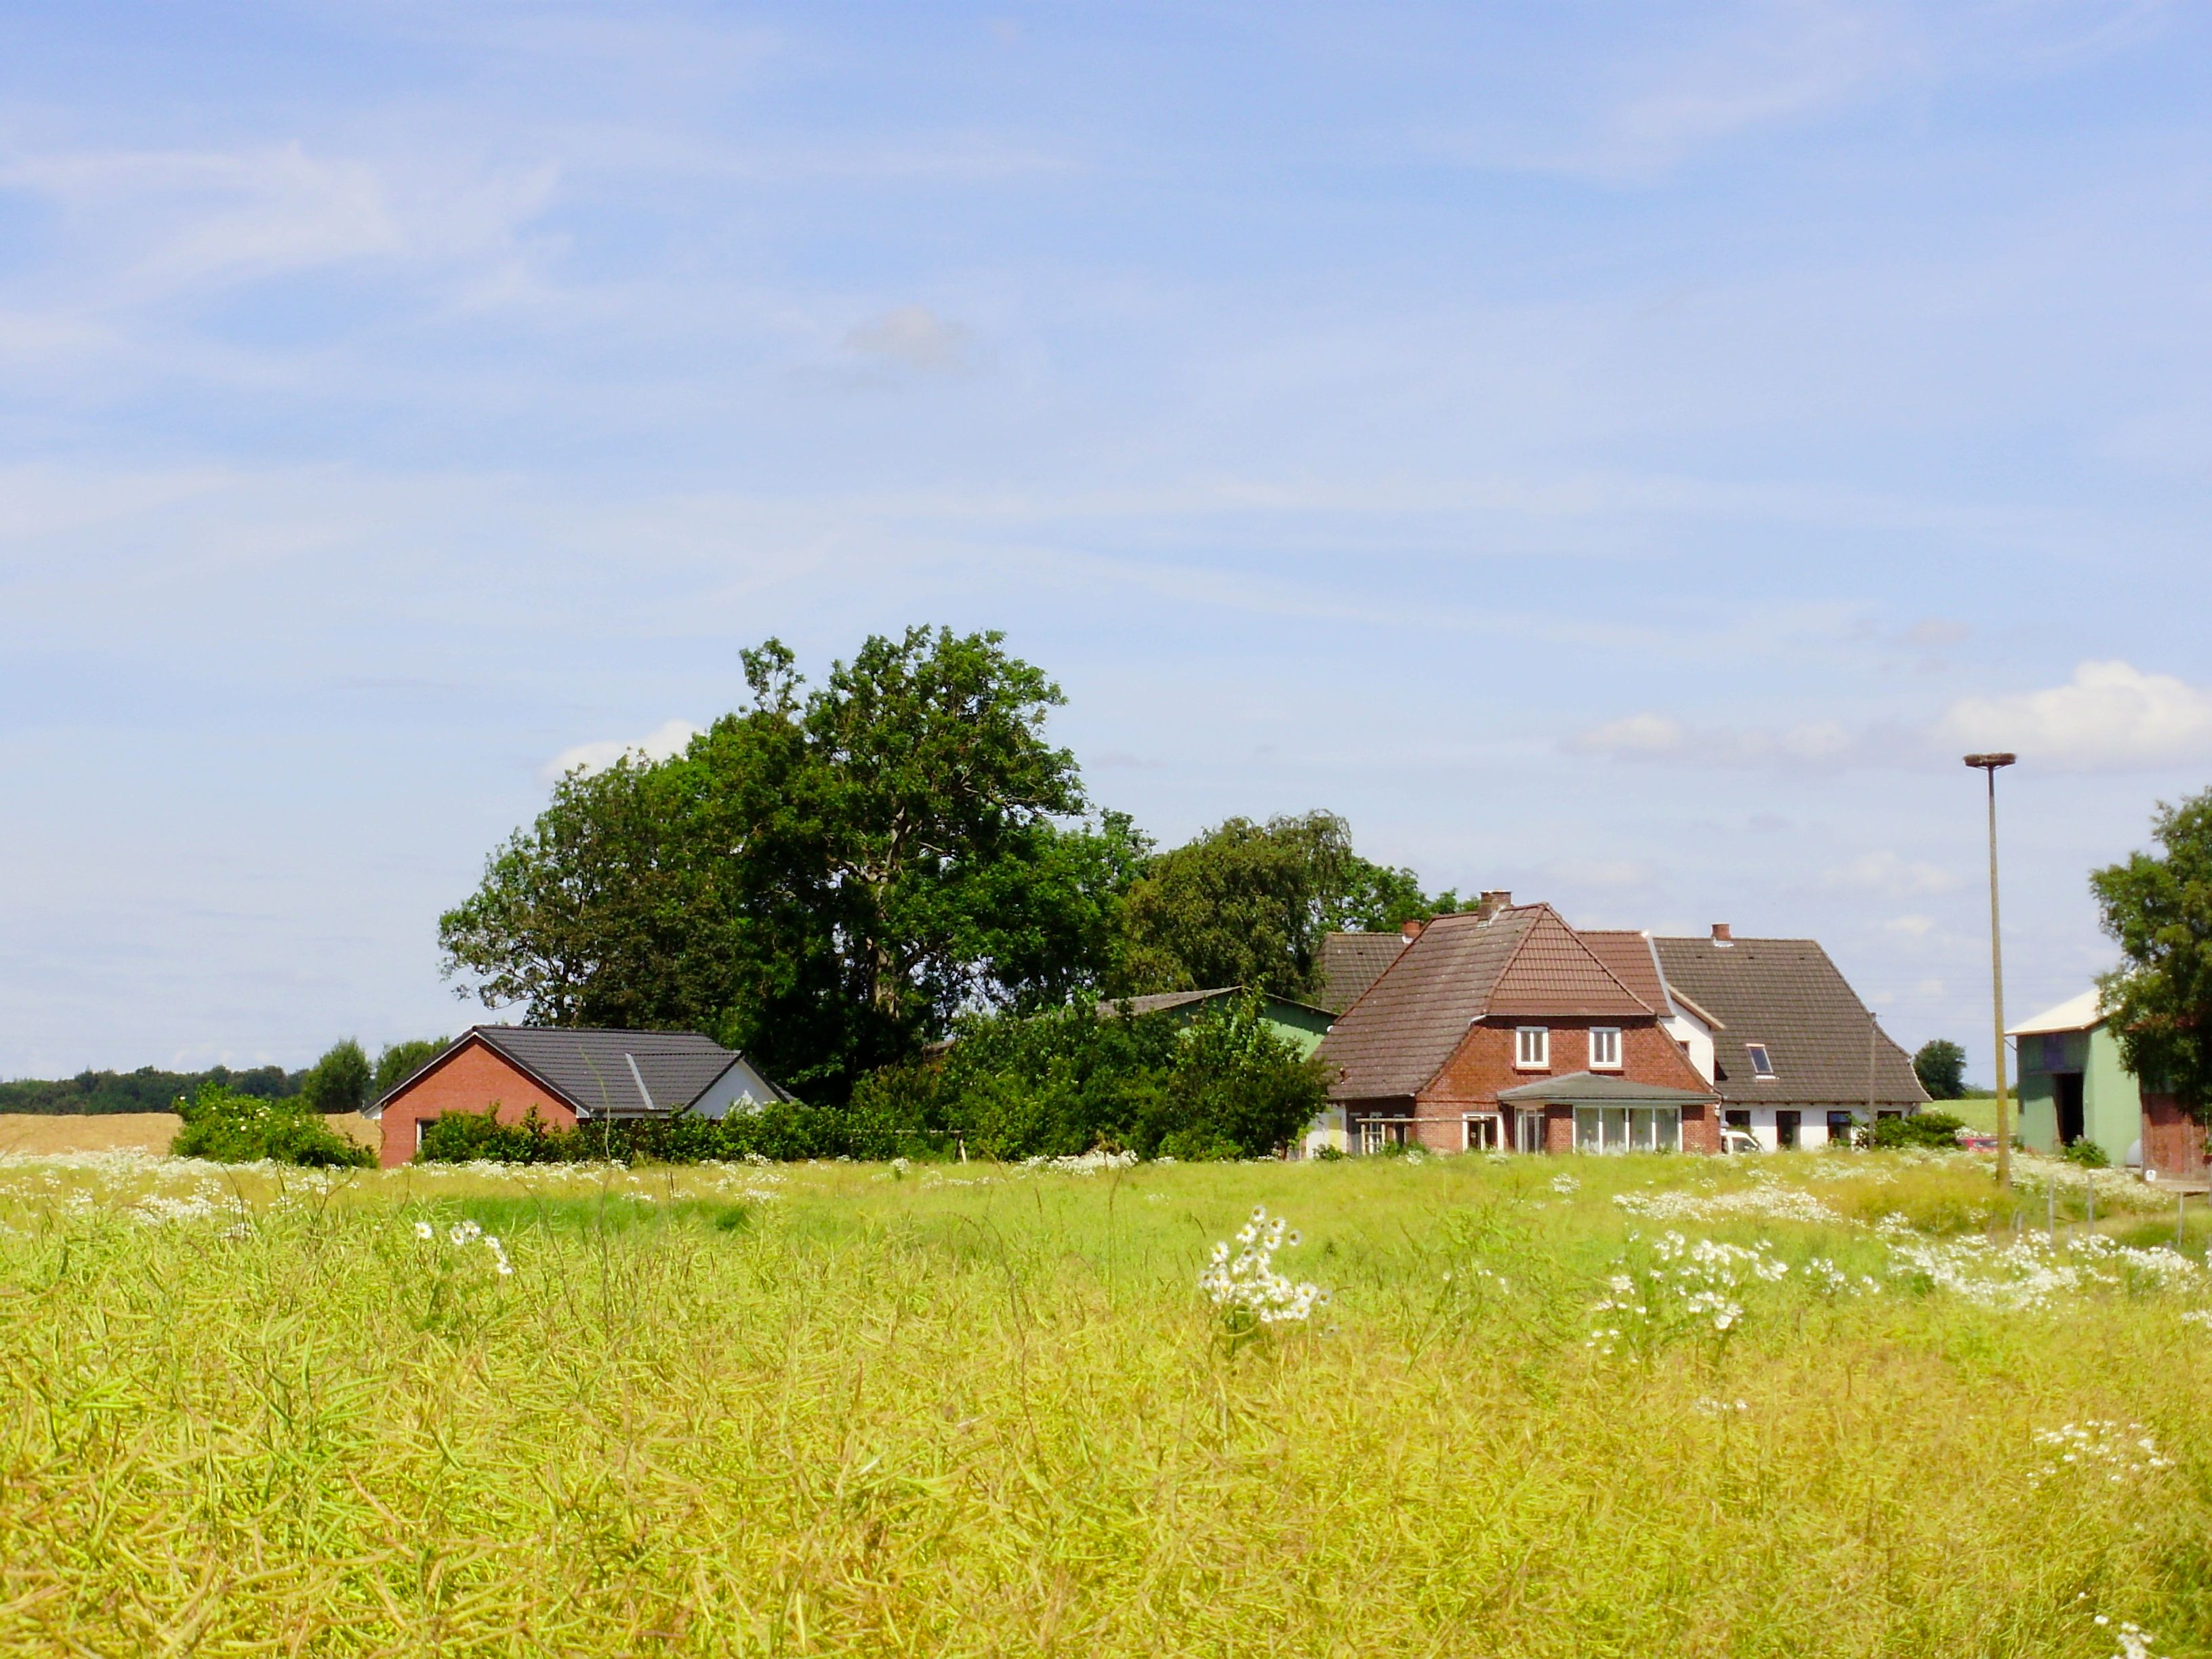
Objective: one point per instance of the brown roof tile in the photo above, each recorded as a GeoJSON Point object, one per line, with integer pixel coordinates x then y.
{"type": "Point", "coordinates": [1628, 955]}
{"type": "Point", "coordinates": [1786, 994]}
{"type": "Point", "coordinates": [1350, 962]}
{"type": "Point", "coordinates": [1521, 960]}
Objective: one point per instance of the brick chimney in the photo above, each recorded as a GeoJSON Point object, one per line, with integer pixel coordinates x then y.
{"type": "Point", "coordinates": [1410, 931]}
{"type": "Point", "coordinates": [1722, 934]}
{"type": "Point", "coordinates": [1492, 902]}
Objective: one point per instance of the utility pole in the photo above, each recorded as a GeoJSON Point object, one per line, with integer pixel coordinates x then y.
{"type": "Point", "coordinates": [1988, 765]}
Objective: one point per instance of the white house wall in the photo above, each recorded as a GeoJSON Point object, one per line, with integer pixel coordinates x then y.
{"type": "Point", "coordinates": [740, 1089]}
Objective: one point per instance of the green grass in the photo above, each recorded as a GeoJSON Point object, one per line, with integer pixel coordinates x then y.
{"type": "Point", "coordinates": [966, 1410]}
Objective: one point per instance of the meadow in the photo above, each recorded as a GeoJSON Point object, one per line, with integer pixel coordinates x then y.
{"type": "Point", "coordinates": [1820, 1404]}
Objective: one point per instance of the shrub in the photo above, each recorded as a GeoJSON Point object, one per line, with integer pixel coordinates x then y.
{"type": "Point", "coordinates": [2086, 1153]}
{"type": "Point", "coordinates": [230, 1127]}
{"type": "Point", "coordinates": [1921, 1129]}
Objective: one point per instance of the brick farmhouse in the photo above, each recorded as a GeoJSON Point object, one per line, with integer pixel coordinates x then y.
{"type": "Point", "coordinates": [569, 1077]}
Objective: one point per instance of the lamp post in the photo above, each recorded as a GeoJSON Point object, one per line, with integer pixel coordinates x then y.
{"type": "Point", "coordinates": [1988, 765]}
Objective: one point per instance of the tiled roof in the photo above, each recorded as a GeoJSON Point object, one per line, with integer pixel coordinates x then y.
{"type": "Point", "coordinates": [1350, 962]}
{"type": "Point", "coordinates": [1521, 960]}
{"type": "Point", "coordinates": [1159, 1001]}
{"type": "Point", "coordinates": [1787, 994]}
{"type": "Point", "coordinates": [1628, 955]}
{"type": "Point", "coordinates": [591, 1070]}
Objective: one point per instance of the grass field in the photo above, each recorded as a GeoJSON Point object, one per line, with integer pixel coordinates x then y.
{"type": "Point", "coordinates": [1811, 1404]}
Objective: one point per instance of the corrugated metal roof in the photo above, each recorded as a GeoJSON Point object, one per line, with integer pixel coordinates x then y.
{"type": "Point", "coordinates": [1522, 962]}
{"type": "Point", "coordinates": [2075, 1014]}
{"type": "Point", "coordinates": [1786, 995]}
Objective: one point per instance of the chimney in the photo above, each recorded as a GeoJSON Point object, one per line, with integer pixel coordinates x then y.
{"type": "Point", "coordinates": [1492, 902]}
{"type": "Point", "coordinates": [1410, 931]}
{"type": "Point", "coordinates": [1721, 934]}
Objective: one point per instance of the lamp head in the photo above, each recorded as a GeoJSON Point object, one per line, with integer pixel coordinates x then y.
{"type": "Point", "coordinates": [1990, 762]}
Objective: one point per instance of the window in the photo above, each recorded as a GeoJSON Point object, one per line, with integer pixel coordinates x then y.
{"type": "Point", "coordinates": [1484, 1133]}
{"type": "Point", "coordinates": [1528, 1131]}
{"type": "Point", "coordinates": [1785, 1129]}
{"type": "Point", "coordinates": [1843, 1128]}
{"type": "Point", "coordinates": [1762, 1067]}
{"type": "Point", "coordinates": [1628, 1128]}
{"type": "Point", "coordinates": [2054, 1051]}
{"type": "Point", "coordinates": [1376, 1132]}
{"type": "Point", "coordinates": [1605, 1048]}
{"type": "Point", "coordinates": [1532, 1049]}
{"type": "Point", "coordinates": [421, 1128]}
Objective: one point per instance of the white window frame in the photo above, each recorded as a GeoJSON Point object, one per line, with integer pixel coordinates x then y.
{"type": "Point", "coordinates": [1608, 1129]}
{"type": "Point", "coordinates": [1532, 1049]}
{"type": "Point", "coordinates": [1612, 1035]}
{"type": "Point", "coordinates": [1484, 1131]}
{"type": "Point", "coordinates": [1754, 1051]}
{"type": "Point", "coordinates": [1529, 1129]}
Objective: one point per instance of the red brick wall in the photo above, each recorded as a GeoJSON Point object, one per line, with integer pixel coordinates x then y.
{"type": "Point", "coordinates": [2173, 1142]}
{"type": "Point", "coordinates": [1482, 1067]}
{"type": "Point", "coordinates": [476, 1080]}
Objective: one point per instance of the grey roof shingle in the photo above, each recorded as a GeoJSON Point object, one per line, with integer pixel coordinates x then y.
{"type": "Point", "coordinates": [1154, 1002]}
{"type": "Point", "coordinates": [591, 1069]}
{"type": "Point", "coordinates": [1350, 962]}
{"type": "Point", "coordinates": [1787, 994]}
{"type": "Point", "coordinates": [1521, 961]}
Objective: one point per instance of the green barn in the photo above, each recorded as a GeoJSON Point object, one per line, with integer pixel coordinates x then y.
{"type": "Point", "coordinates": [2072, 1085]}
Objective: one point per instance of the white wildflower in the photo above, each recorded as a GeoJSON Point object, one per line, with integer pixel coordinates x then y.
{"type": "Point", "coordinates": [1247, 1285]}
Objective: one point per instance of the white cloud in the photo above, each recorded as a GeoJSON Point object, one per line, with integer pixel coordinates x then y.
{"type": "Point", "coordinates": [1911, 927]}
{"type": "Point", "coordinates": [1888, 873]}
{"type": "Point", "coordinates": [1633, 736]}
{"type": "Point", "coordinates": [2110, 716]}
{"type": "Point", "coordinates": [1618, 874]}
{"type": "Point", "coordinates": [912, 336]}
{"type": "Point", "coordinates": [659, 744]}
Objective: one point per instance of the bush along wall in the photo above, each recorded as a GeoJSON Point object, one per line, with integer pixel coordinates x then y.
{"type": "Point", "coordinates": [230, 1127]}
{"type": "Point", "coordinates": [1219, 1087]}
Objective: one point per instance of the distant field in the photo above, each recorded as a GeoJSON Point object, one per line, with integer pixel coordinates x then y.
{"type": "Point", "coordinates": [1758, 1408]}
{"type": "Point", "coordinates": [31, 1133]}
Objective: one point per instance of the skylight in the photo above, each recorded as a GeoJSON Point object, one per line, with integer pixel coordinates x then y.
{"type": "Point", "coordinates": [1762, 1067]}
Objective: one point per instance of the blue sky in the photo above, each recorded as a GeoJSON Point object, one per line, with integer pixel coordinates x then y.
{"type": "Point", "coordinates": [1622, 455]}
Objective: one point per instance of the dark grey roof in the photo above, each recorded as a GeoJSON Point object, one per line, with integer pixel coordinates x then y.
{"type": "Point", "coordinates": [1597, 1088]}
{"type": "Point", "coordinates": [1787, 994]}
{"type": "Point", "coordinates": [1350, 962]}
{"type": "Point", "coordinates": [601, 1073]}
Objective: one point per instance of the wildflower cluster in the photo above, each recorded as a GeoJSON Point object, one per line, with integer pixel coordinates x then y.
{"type": "Point", "coordinates": [2099, 1445]}
{"type": "Point", "coordinates": [2135, 1641]}
{"type": "Point", "coordinates": [1247, 1288]}
{"type": "Point", "coordinates": [1769, 1203]}
{"type": "Point", "coordinates": [465, 1233]}
{"type": "Point", "coordinates": [1685, 1289]}
{"type": "Point", "coordinates": [1565, 1185]}
{"type": "Point", "coordinates": [1084, 1164]}
{"type": "Point", "coordinates": [2029, 1274]}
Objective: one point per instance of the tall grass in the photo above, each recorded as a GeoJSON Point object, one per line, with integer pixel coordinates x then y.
{"type": "Point", "coordinates": [967, 1410]}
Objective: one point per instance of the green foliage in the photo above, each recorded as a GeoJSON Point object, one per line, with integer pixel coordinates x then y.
{"type": "Point", "coordinates": [338, 1081]}
{"type": "Point", "coordinates": [2158, 1002]}
{"type": "Point", "coordinates": [231, 1128]}
{"type": "Point", "coordinates": [824, 877]}
{"type": "Point", "coordinates": [1918, 1129]}
{"type": "Point", "coordinates": [2086, 1153]}
{"type": "Point", "coordinates": [145, 1089]}
{"type": "Point", "coordinates": [1941, 1066]}
{"type": "Point", "coordinates": [401, 1061]}
{"type": "Point", "coordinates": [1248, 904]}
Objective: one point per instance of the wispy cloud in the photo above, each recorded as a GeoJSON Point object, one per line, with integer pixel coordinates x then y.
{"type": "Point", "coordinates": [1888, 874]}
{"type": "Point", "coordinates": [2110, 716]}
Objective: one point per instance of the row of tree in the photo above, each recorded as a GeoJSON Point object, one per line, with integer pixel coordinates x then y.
{"type": "Point", "coordinates": [831, 876]}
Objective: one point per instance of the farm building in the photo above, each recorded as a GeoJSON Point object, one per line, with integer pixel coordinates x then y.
{"type": "Point", "coordinates": [569, 1077]}
{"type": "Point", "coordinates": [2072, 1084]}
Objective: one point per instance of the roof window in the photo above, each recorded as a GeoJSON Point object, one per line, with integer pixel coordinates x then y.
{"type": "Point", "coordinates": [1762, 1064]}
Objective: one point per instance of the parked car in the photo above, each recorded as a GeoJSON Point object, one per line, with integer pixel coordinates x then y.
{"type": "Point", "coordinates": [1739, 1140]}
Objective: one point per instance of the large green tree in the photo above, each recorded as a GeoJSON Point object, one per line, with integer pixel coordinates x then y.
{"type": "Point", "coordinates": [824, 877]}
{"type": "Point", "coordinates": [1940, 1065]}
{"type": "Point", "coordinates": [2159, 1001]}
{"type": "Point", "coordinates": [1247, 904]}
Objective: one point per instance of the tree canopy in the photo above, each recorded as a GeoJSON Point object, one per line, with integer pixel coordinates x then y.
{"type": "Point", "coordinates": [2158, 906]}
{"type": "Point", "coordinates": [1940, 1065]}
{"type": "Point", "coordinates": [825, 878]}
{"type": "Point", "coordinates": [1247, 904]}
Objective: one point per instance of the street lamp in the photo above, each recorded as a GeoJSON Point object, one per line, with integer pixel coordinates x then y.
{"type": "Point", "coordinates": [1988, 764]}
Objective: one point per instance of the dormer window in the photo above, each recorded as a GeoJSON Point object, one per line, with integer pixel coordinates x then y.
{"type": "Point", "coordinates": [1532, 1049]}
{"type": "Point", "coordinates": [1605, 1048]}
{"type": "Point", "coordinates": [1762, 1065]}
